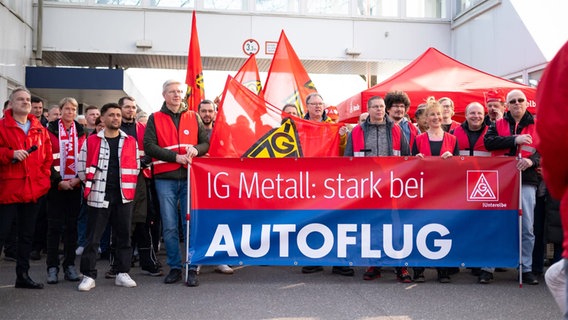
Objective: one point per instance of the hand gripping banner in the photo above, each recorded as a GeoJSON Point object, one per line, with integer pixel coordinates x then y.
{"type": "Point", "coordinates": [380, 211]}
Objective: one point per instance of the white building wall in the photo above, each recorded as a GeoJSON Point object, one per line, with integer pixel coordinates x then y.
{"type": "Point", "coordinates": [16, 43]}
{"type": "Point", "coordinates": [103, 29]}
{"type": "Point", "coordinates": [511, 37]}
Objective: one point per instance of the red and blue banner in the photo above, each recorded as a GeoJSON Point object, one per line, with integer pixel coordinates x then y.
{"type": "Point", "coordinates": [383, 211]}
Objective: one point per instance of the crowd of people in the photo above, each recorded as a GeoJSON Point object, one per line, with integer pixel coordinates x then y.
{"type": "Point", "coordinates": [114, 181]}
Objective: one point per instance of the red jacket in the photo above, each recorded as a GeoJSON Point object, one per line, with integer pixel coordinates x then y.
{"type": "Point", "coordinates": [552, 129]}
{"type": "Point", "coordinates": [24, 181]}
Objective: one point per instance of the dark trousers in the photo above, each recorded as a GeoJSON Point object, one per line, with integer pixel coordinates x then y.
{"type": "Point", "coordinates": [120, 217]}
{"type": "Point", "coordinates": [62, 215]}
{"type": "Point", "coordinates": [539, 251]}
{"type": "Point", "coordinates": [40, 236]}
{"type": "Point", "coordinates": [26, 214]}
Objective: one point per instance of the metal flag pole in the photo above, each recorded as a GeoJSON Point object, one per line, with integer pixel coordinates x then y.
{"type": "Point", "coordinates": [520, 226]}
{"type": "Point", "coordinates": [187, 217]}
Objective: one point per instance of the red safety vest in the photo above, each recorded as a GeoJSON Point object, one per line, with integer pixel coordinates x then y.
{"type": "Point", "coordinates": [140, 130]}
{"type": "Point", "coordinates": [504, 130]}
{"type": "Point", "coordinates": [358, 139]}
{"type": "Point", "coordinates": [177, 141]}
{"type": "Point", "coordinates": [463, 143]}
{"type": "Point", "coordinates": [128, 165]}
{"type": "Point", "coordinates": [423, 144]}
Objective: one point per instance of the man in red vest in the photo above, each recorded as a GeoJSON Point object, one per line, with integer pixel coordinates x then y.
{"type": "Point", "coordinates": [24, 177]}
{"type": "Point", "coordinates": [109, 166]}
{"type": "Point", "coordinates": [515, 135]}
{"type": "Point", "coordinates": [471, 132]}
{"type": "Point", "coordinates": [379, 136]}
{"type": "Point", "coordinates": [174, 135]}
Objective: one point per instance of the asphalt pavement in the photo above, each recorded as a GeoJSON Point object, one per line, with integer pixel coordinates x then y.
{"type": "Point", "coordinates": [270, 292]}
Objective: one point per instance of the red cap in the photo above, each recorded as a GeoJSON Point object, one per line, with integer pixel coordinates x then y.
{"type": "Point", "coordinates": [494, 95]}
{"type": "Point", "coordinates": [332, 112]}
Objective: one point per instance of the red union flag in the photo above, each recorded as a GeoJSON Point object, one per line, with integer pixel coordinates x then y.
{"type": "Point", "coordinates": [482, 185]}
{"type": "Point", "coordinates": [194, 74]}
{"type": "Point", "coordinates": [248, 75]}
{"type": "Point", "coordinates": [287, 80]}
{"type": "Point", "coordinates": [248, 126]}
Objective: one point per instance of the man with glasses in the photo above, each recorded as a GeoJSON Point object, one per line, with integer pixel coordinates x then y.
{"type": "Point", "coordinates": [378, 135]}
{"type": "Point", "coordinates": [316, 113]}
{"type": "Point", "coordinates": [447, 113]}
{"type": "Point", "coordinates": [174, 135]}
{"type": "Point", "coordinates": [515, 135]}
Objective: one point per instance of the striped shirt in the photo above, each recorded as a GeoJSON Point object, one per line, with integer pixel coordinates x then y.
{"type": "Point", "coordinates": [96, 197]}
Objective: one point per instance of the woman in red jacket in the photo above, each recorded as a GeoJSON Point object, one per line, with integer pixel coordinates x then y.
{"type": "Point", "coordinates": [25, 160]}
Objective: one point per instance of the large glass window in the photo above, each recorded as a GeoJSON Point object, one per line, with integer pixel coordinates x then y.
{"type": "Point", "coordinates": [276, 5]}
{"type": "Point", "coordinates": [120, 2]}
{"type": "Point", "coordinates": [328, 7]}
{"type": "Point", "coordinates": [378, 8]}
{"type": "Point", "coordinates": [173, 3]}
{"type": "Point", "coordinates": [223, 4]}
{"type": "Point", "coordinates": [426, 8]}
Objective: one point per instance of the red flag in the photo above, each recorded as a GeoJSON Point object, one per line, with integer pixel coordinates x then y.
{"type": "Point", "coordinates": [287, 80]}
{"type": "Point", "coordinates": [194, 75]}
{"type": "Point", "coordinates": [248, 75]}
{"type": "Point", "coordinates": [246, 125]}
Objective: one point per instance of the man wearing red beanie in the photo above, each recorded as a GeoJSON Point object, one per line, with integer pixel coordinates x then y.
{"type": "Point", "coordinates": [495, 103]}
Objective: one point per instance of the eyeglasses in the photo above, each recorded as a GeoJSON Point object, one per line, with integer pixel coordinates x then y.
{"type": "Point", "coordinates": [317, 104]}
{"type": "Point", "coordinates": [519, 100]}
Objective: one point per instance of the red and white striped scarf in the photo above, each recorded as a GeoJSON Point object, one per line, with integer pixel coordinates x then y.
{"type": "Point", "coordinates": [68, 151]}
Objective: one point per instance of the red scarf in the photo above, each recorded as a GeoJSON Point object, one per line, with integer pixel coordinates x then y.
{"type": "Point", "coordinates": [68, 151]}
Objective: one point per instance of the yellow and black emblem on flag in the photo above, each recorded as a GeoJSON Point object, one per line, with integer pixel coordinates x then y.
{"type": "Point", "coordinates": [281, 142]}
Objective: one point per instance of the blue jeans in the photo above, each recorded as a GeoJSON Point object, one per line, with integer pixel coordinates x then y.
{"type": "Point", "coordinates": [170, 194]}
{"type": "Point", "coordinates": [528, 195]}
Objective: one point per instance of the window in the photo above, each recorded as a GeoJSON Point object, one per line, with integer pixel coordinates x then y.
{"type": "Point", "coordinates": [378, 8]}
{"type": "Point", "coordinates": [328, 7]}
{"type": "Point", "coordinates": [276, 5]}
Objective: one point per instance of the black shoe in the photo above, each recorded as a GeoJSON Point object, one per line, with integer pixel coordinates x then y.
{"type": "Point", "coordinates": [70, 274]}
{"type": "Point", "coordinates": [111, 273]}
{"type": "Point", "coordinates": [419, 276]}
{"type": "Point", "coordinates": [485, 277]}
{"type": "Point", "coordinates": [173, 277]}
{"type": "Point", "coordinates": [311, 269]}
{"type": "Point", "coordinates": [24, 281]}
{"type": "Point", "coordinates": [529, 278]}
{"type": "Point", "coordinates": [192, 280]}
{"type": "Point", "coordinates": [35, 255]}
{"type": "Point", "coordinates": [443, 276]}
{"type": "Point", "coordinates": [344, 271]}
{"type": "Point", "coordinates": [152, 270]}
{"type": "Point", "coordinates": [372, 273]}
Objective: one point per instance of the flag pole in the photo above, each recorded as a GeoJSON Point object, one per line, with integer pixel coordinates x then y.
{"type": "Point", "coordinates": [520, 226]}
{"type": "Point", "coordinates": [187, 217]}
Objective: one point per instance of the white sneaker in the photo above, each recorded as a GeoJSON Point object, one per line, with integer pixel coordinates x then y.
{"type": "Point", "coordinates": [86, 284]}
{"type": "Point", "coordinates": [225, 269]}
{"type": "Point", "coordinates": [79, 251]}
{"type": "Point", "coordinates": [124, 280]}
